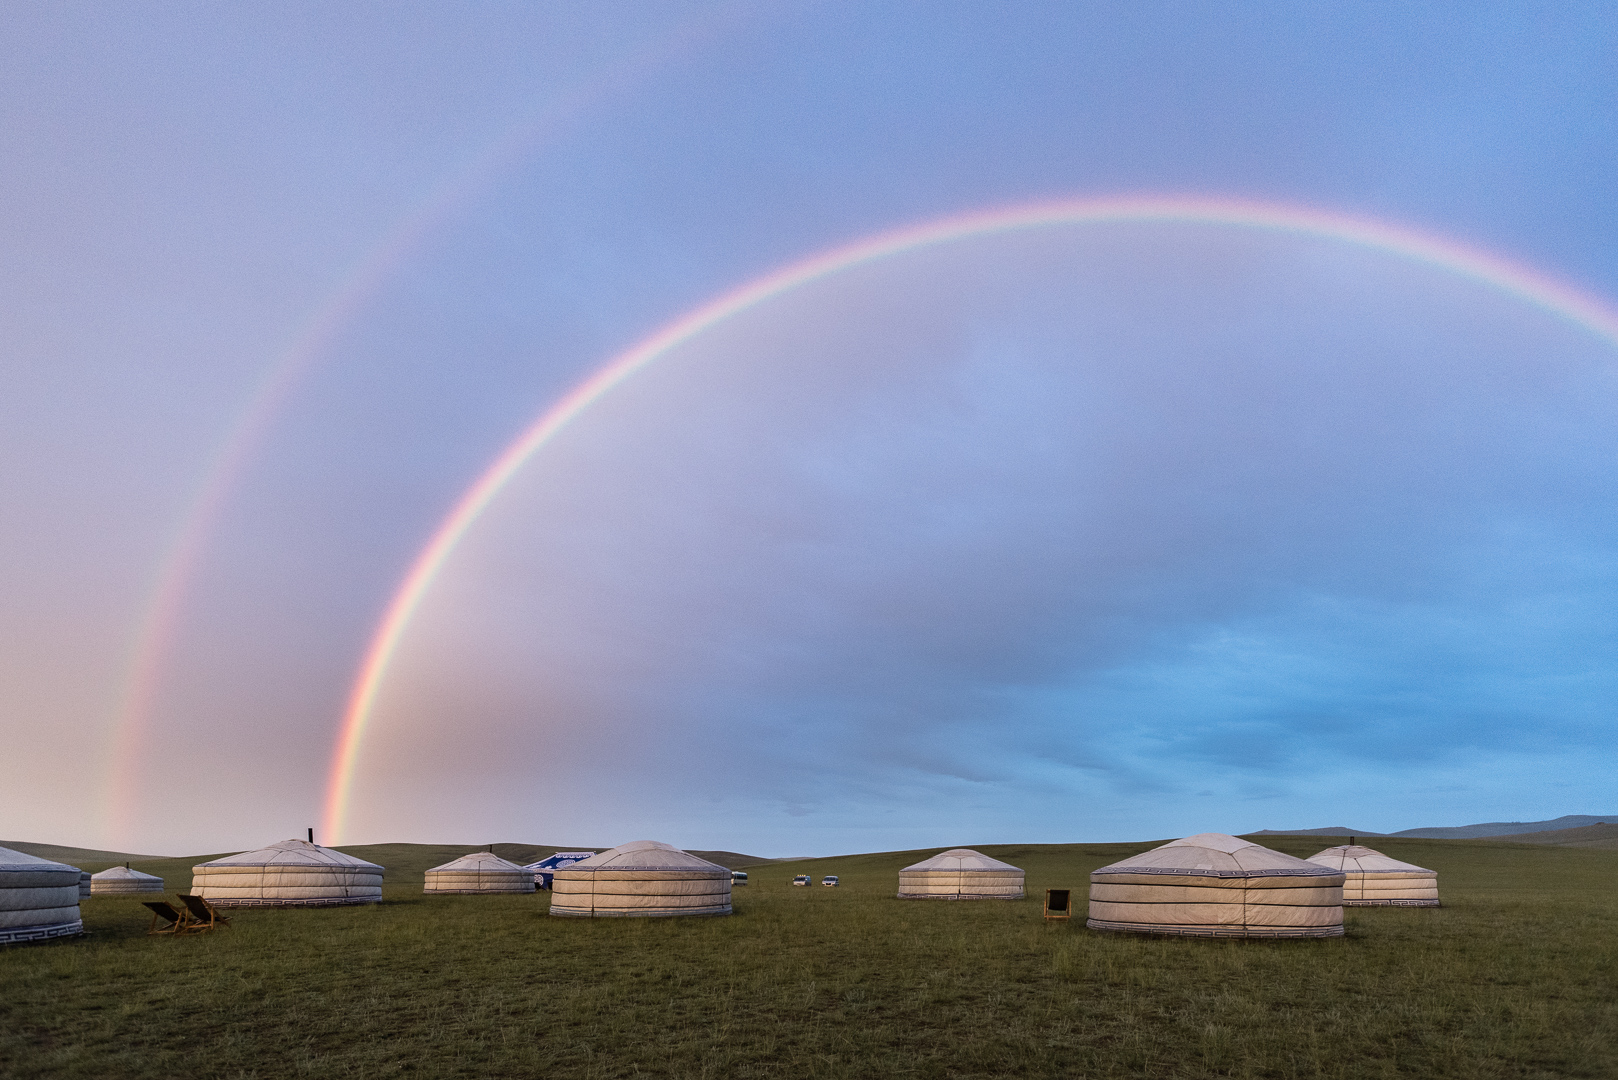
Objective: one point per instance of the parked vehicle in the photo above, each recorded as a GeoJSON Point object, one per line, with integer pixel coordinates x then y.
{"type": "Point", "coordinates": [803, 879]}
{"type": "Point", "coordinates": [738, 877]}
{"type": "Point", "coordinates": [829, 879]}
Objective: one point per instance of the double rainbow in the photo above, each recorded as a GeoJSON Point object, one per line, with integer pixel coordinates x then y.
{"type": "Point", "coordinates": [1516, 279]}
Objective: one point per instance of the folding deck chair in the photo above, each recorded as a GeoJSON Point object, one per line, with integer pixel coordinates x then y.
{"type": "Point", "coordinates": [1058, 903]}
{"type": "Point", "coordinates": [172, 918]}
{"type": "Point", "coordinates": [203, 916]}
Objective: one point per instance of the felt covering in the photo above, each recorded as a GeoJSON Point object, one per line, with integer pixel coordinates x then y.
{"type": "Point", "coordinates": [479, 872]}
{"type": "Point", "coordinates": [1373, 879]}
{"type": "Point", "coordinates": [122, 881]}
{"type": "Point", "coordinates": [292, 873]}
{"type": "Point", "coordinates": [641, 879]}
{"type": "Point", "coordinates": [1214, 885]}
{"type": "Point", "coordinates": [39, 899]}
{"type": "Point", "coordinates": [961, 874]}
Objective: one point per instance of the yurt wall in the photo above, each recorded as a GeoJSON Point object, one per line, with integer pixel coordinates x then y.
{"type": "Point", "coordinates": [1214, 885]}
{"type": "Point", "coordinates": [39, 899]}
{"type": "Point", "coordinates": [961, 874]}
{"type": "Point", "coordinates": [642, 879]}
{"type": "Point", "coordinates": [1372, 879]}
{"type": "Point", "coordinates": [122, 881]}
{"type": "Point", "coordinates": [292, 873]}
{"type": "Point", "coordinates": [479, 872]}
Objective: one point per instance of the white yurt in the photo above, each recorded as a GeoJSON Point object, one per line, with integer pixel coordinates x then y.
{"type": "Point", "coordinates": [961, 874]}
{"type": "Point", "coordinates": [644, 878]}
{"type": "Point", "coordinates": [1213, 885]}
{"type": "Point", "coordinates": [39, 898]}
{"type": "Point", "coordinates": [84, 885]}
{"type": "Point", "coordinates": [1377, 880]}
{"type": "Point", "coordinates": [293, 873]}
{"type": "Point", "coordinates": [122, 881]}
{"type": "Point", "coordinates": [479, 872]}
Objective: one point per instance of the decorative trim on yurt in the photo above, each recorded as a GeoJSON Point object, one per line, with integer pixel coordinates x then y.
{"type": "Point", "coordinates": [39, 899]}
{"type": "Point", "coordinates": [479, 872]}
{"type": "Point", "coordinates": [642, 879]}
{"type": "Point", "coordinates": [292, 873]}
{"type": "Point", "coordinates": [122, 881]}
{"type": "Point", "coordinates": [1214, 885]}
{"type": "Point", "coordinates": [1373, 879]}
{"type": "Point", "coordinates": [961, 874]}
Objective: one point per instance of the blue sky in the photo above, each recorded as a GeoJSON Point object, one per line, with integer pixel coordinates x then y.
{"type": "Point", "coordinates": [1371, 635]}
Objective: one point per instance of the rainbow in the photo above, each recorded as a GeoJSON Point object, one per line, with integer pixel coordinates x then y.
{"type": "Point", "coordinates": [155, 633]}
{"type": "Point", "coordinates": [1536, 288]}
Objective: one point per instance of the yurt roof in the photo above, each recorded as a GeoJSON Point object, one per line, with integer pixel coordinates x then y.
{"type": "Point", "coordinates": [123, 873]}
{"type": "Point", "coordinates": [644, 855]}
{"type": "Point", "coordinates": [480, 860]}
{"type": "Point", "coordinates": [1359, 858]}
{"type": "Point", "coordinates": [16, 860]}
{"type": "Point", "coordinates": [1214, 855]}
{"type": "Point", "coordinates": [960, 859]}
{"type": "Point", "coordinates": [291, 853]}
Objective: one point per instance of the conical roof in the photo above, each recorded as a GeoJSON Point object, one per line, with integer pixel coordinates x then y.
{"type": "Point", "coordinates": [124, 873]}
{"type": "Point", "coordinates": [291, 853]}
{"type": "Point", "coordinates": [645, 855]}
{"type": "Point", "coordinates": [1215, 855]}
{"type": "Point", "coordinates": [481, 862]}
{"type": "Point", "coordinates": [17, 861]}
{"type": "Point", "coordinates": [1359, 859]}
{"type": "Point", "coordinates": [959, 860]}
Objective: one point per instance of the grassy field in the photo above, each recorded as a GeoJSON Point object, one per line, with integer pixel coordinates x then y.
{"type": "Point", "coordinates": [1516, 976]}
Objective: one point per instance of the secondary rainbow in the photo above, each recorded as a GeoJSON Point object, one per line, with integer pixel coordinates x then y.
{"type": "Point", "coordinates": [1538, 289]}
{"type": "Point", "coordinates": [154, 636]}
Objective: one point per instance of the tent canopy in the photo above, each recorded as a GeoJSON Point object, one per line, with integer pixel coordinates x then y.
{"type": "Point", "coordinates": [561, 858]}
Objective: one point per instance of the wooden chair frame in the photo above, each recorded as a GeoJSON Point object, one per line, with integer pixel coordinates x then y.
{"type": "Point", "coordinates": [203, 916]}
{"type": "Point", "coordinates": [163, 911]}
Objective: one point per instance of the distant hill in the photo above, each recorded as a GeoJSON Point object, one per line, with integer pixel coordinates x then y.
{"type": "Point", "coordinates": [1508, 828]}
{"type": "Point", "coordinates": [733, 860]}
{"type": "Point", "coordinates": [75, 855]}
{"type": "Point", "coordinates": [1457, 832]}
{"type": "Point", "coordinates": [1331, 831]}
{"type": "Point", "coordinates": [1588, 836]}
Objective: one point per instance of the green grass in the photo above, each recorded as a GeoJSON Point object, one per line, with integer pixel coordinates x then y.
{"type": "Point", "coordinates": [1516, 976]}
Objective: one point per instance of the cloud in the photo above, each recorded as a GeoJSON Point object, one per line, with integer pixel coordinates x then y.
{"type": "Point", "coordinates": [1114, 514]}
